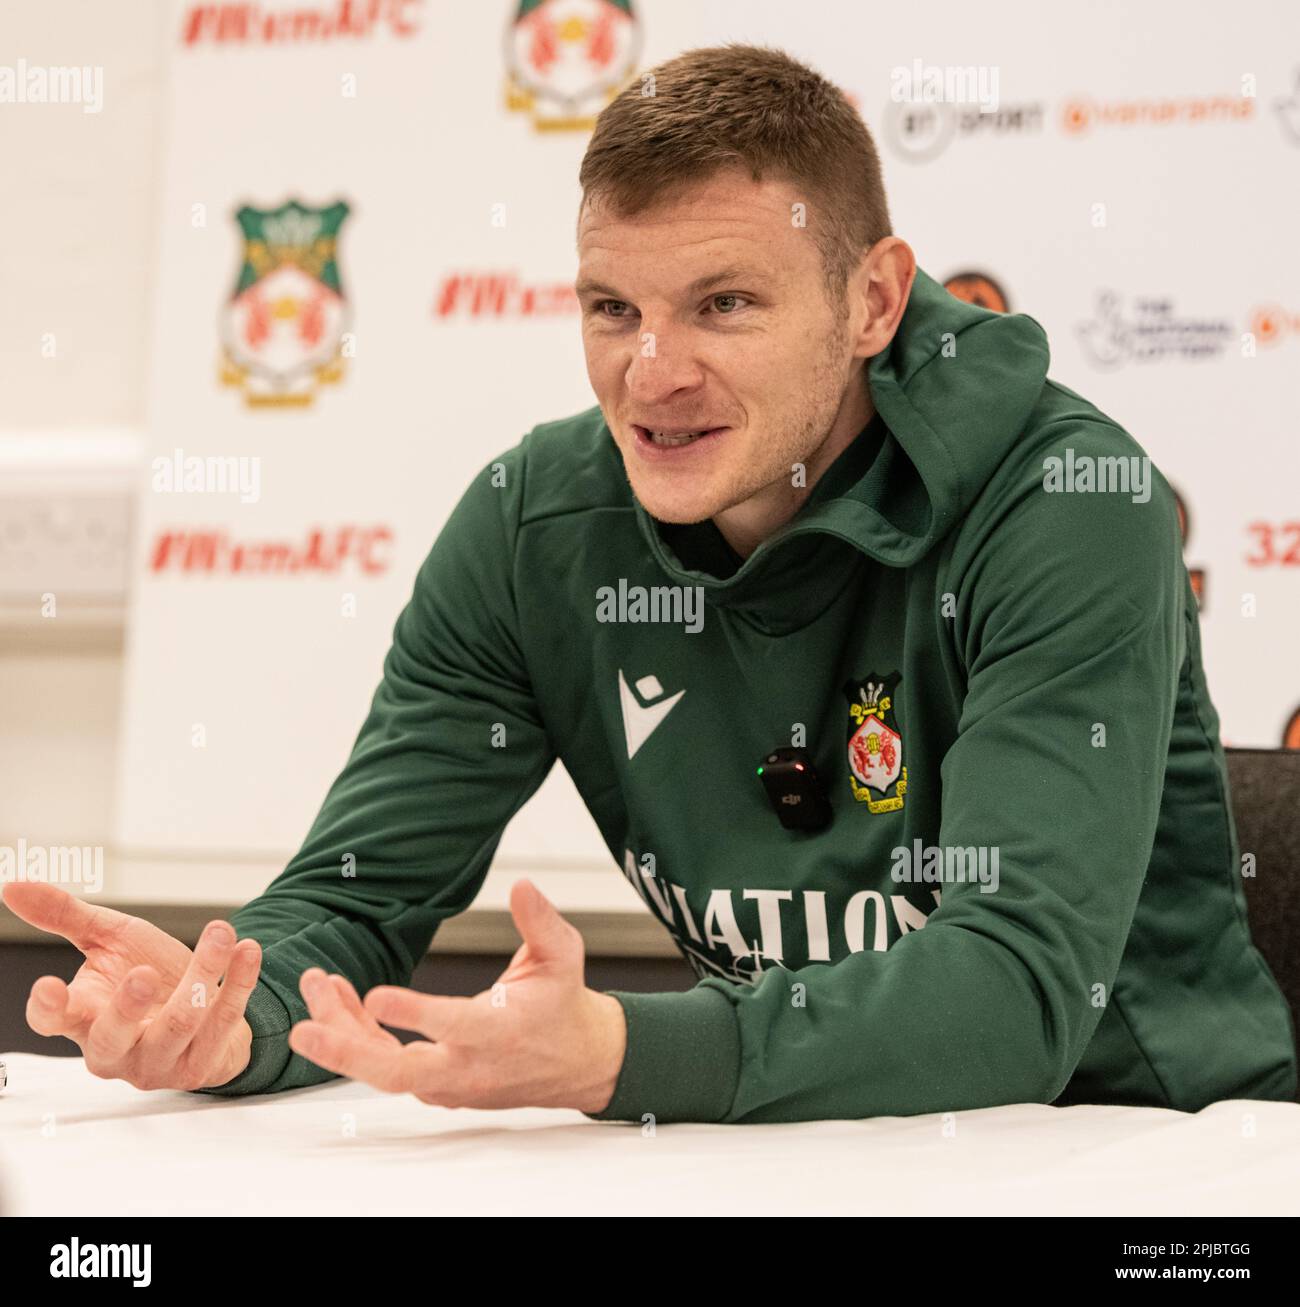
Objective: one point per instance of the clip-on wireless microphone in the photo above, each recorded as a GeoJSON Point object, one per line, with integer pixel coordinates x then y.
{"type": "Point", "coordinates": [794, 790]}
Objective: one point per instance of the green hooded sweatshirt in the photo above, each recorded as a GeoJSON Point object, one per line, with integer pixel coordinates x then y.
{"type": "Point", "coordinates": [1028, 891]}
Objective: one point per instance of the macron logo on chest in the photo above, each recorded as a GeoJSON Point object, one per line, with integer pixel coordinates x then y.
{"type": "Point", "coordinates": [640, 718]}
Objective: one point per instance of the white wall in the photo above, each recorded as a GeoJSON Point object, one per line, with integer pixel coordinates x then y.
{"type": "Point", "coordinates": [78, 226]}
{"type": "Point", "coordinates": [77, 255]}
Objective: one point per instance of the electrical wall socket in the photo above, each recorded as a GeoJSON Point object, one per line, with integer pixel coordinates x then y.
{"type": "Point", "coordinates": [66, 508]}
{"type": "Point", "coordinates": [64, 544]}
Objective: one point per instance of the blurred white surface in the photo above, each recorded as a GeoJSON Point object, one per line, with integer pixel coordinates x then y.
{"type": "Point", "coordinates": [75, 1145]}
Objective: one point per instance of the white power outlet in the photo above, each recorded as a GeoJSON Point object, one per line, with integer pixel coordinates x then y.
{"type": "Point", "coordinates": [66, 505]}
{"type": "Point", "coordinates": [64, 543]}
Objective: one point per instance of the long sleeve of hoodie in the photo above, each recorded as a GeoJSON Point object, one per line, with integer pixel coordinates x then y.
{"type": "Point", "coordinates": [452, 747]}
{"type": "Point", "coordinates": [1068, 633]}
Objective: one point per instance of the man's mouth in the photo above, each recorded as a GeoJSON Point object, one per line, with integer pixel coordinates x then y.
{"type": "Point", "coordinates": [673, 438]}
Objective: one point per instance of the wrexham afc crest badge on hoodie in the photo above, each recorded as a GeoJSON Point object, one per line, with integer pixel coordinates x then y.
{"type": "Point", "coordinates": [877, 775]}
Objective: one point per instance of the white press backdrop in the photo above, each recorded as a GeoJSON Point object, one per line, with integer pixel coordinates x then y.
{"type": "Point", "coordinates": [1135, 191]}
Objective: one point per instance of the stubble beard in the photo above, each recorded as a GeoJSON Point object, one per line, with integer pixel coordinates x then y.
{"type": "Point", "coordinates": [798, 437]}
{"type": "Point", "coordinates": [772, 471]}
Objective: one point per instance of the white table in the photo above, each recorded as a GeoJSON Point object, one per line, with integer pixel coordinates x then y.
{"type": "Point", "coordinates": [71, 1144]}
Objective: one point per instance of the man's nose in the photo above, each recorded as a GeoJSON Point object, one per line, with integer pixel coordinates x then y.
{"type": "Point", "coordinates": [661, 365]}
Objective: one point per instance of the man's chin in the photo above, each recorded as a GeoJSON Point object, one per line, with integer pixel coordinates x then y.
{"type": "Point", "coordinates": [676, 508]}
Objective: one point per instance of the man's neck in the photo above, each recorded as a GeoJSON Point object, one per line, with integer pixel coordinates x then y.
{"type": "Point", "coordinates": [746, 525]}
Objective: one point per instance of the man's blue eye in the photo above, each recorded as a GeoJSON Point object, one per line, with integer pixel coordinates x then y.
{"type": "Point", "coordinates": [733, 298]}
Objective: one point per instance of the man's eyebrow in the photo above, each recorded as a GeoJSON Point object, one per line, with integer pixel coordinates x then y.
{"type": "Point", "coordinates": [589, 287]}
{"type": "Point", "coordinates": [739, 273]}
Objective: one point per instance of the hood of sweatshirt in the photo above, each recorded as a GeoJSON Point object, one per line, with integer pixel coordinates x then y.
{"type": "Point", "coordinates": [952, 393]}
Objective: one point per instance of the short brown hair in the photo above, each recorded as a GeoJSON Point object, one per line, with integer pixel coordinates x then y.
{"type": "Point", "coordinates": [749, 106]}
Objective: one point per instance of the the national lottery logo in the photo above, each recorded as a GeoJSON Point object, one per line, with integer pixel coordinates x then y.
{"type": "Point", "coordinates": [877, 776]}
{"type": "Point", "coordinates": [1148, 331]}
{"type": "Point", "coordinates": [283, 329]}
{"type": "Point", "coordinates": [566, 59]}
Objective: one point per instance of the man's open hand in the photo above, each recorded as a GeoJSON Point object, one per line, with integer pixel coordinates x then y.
{"type": "Point", "coordinates": [143, 1008]}
{"type": "Point", "coordinates": [538, 1038]}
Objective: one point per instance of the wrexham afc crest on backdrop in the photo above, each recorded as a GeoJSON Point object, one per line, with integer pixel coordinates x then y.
{"type": "Point", "coordinates": [567, 59]}
{"type": "Point", "coordinates": [282, 331]}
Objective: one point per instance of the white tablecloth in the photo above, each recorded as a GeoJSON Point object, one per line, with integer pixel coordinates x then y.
{"type": "Point", "coordinates": [71, 1144]}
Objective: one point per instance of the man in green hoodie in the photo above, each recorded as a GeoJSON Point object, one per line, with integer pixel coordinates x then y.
{"type": "Point", "coordinates": [870, 650]}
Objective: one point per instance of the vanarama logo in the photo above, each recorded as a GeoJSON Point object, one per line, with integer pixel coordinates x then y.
{"type": "Point", "coordinates": [502, 295]}
{"type": "Point", "coordinates": [978, 288]}
{"type": "Point", "coordinates": [567, 59]}
{"type": "Point", "coordinates": [324, 551]}
{"type": "Point", "coordinates": [284, 328]}
{"type": "Point", "coordinates": [1081, 114]}
{"type": "Point", "coordinates": [875, 745]}
{"type": "Point", "coordinates": [258, 24]}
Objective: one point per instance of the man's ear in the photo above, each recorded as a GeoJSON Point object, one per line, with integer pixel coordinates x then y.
{"type": "Point", "coordinates": [883, 282]}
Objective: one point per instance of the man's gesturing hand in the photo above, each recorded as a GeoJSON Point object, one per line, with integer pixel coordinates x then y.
{"type": "Point", "coordinates": [143, 1007]}
{"type": "Point", "coordinates": [538, 1038]}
